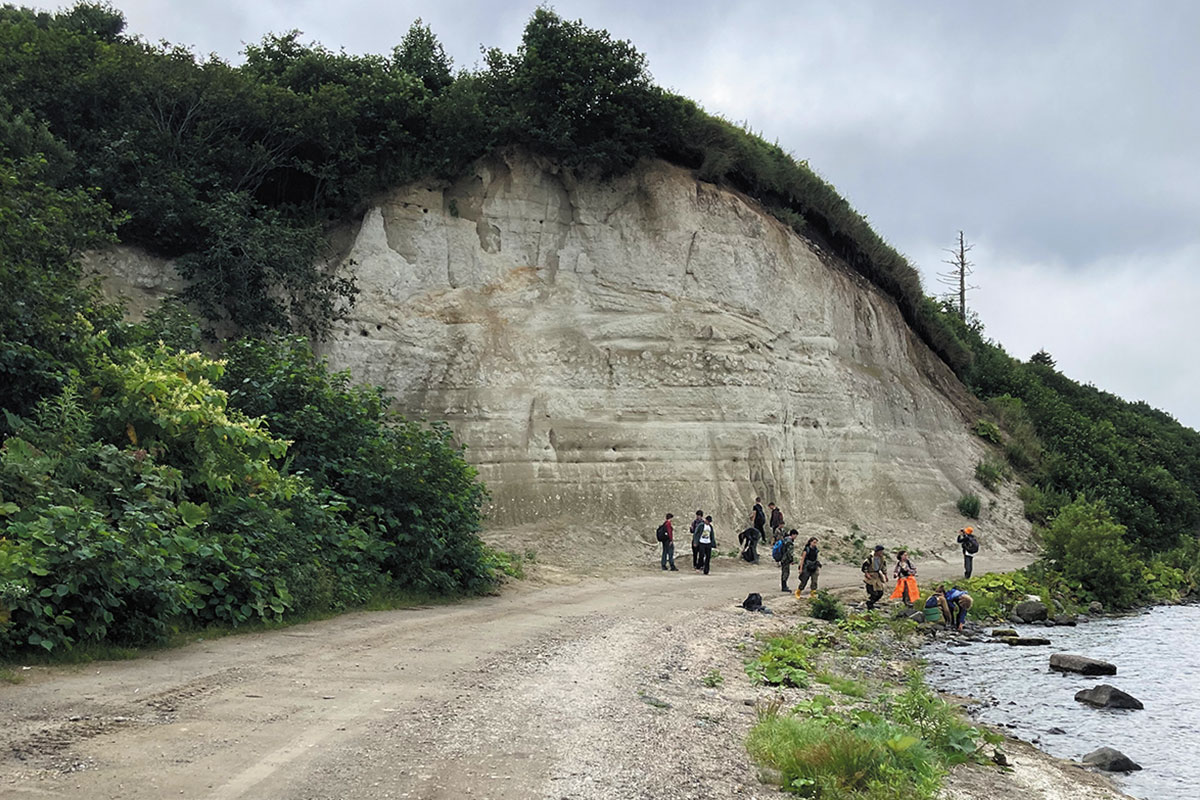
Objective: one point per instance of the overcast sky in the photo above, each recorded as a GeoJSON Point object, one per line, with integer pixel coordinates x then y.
{"type": "Point", "coordinates": [1062, 137]}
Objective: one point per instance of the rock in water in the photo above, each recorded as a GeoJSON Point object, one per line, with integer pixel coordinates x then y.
{"type": "Point", "coordinates": [1110, 760]}
{"type": "Point", "coordinates": [1003, 632]}
{"type": "Point", "coordinates": [1026, 641]}
{"type": "Point", "coordinates": [1105, 696]}
{"type": "Point", "coordinates": [1031, 611]}
{"type": "Point", "coordinates": [1066, 662]}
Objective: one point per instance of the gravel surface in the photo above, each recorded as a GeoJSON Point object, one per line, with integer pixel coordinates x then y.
{"type": "Point", "coordinates": [592, 689]}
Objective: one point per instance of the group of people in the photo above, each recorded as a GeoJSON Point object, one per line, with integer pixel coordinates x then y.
{"type": "Point", "coordinates": [953, 602]}
{"type": "Point", "coordinates": [704, 538]}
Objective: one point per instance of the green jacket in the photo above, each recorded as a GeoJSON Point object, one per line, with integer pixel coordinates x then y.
{"type": "Point", "coordinates": [789, 552]}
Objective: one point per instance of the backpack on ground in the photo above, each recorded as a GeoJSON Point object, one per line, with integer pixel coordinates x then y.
{"type": "Point", "coordinates": [661, 533]}
{"type": "Point", "coordinates": [971, 545]}
{"type": "Point", "coordinates": [777, 550]}
{"type": "Point", "coordinates": [753, 602]}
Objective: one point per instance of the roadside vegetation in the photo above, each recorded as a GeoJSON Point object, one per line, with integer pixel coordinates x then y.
{"type": "Point", "coordinates": [876, 736]}
{"type": "Point", "coordinates": [153, 478]}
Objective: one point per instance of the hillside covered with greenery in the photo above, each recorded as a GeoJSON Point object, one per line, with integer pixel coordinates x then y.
{"type": "Point", "coordinates": [144, 485]}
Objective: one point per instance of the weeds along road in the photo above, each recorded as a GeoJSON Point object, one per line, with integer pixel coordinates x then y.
{"type": "Point", "coordinates": [627, 687]}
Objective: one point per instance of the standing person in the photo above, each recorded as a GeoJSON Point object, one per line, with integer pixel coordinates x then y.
{"type": "Point", "coordinates": [697, 527]}
{"type": "Point", "coordinates": [970, 546]}
{"type": "Point", "coordinates": [776, 522]}
{"type": "Point", "coordinates": [708, 540]}
{"type": "Point", "coordinates": [786, 558]}
{"type": "Point", "coordinates": [905, 573]}
{"type": "Point", "coordinates": [810, 567]}
{"type": "Point", "coordinates": [666, 534]}
{"type": "Point", "coordinates": [874, 571]}
{"type": "Point", "coordinates": [758, 519]}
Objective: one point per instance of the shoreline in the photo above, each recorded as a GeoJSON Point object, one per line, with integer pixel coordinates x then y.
{"type": "Point", "coordinates": [1030, 771]}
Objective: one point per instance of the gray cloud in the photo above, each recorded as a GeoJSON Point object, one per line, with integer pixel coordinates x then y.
{"type": "Point", "coordinates": [1062, 137]}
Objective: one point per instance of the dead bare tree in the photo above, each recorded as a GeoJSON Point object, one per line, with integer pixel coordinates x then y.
{"type": "Point", "coordinates": [956, 278]}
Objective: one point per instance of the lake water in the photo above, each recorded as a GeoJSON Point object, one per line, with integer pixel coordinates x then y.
{"type": "Point", "coordinates": [1157, 655]}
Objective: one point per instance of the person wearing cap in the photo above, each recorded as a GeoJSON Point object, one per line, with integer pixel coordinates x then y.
{"type": "Point", "coordinates": [874, 571]}
{"type": "Point", "coordinates": [970, 545]}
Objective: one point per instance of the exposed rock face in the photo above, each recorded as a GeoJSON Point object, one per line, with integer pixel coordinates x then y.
{"type": "Point", "coordinates": [1106, 696]}
{"type": "Point", "coordinates": [1068, 662]}
{"type": "Point", "coordinates": [611, 351]}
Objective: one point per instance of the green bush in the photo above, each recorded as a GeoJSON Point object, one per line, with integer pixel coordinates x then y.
{"type": "Point", "coordinates": [940, 725]}
{"type": "Point", "coordinates": [833, 760]}
{"type": "Point", "coordinates": [968, 505]}
{"type": "Point", "coordinates": [827, 607]}
{"type": "Point", "coordinates": [1087, 547]}
{"type": "Point", "coordinates": [990, 473]}
{"type": "Point", "coordinates": [409, 485]}
{"type": "Point", "coordinates": [785, 661]}
{"type": "Point", "coordinates": [987, 430]}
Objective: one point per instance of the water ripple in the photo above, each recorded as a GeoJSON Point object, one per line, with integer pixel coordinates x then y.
{"type": "Point", "coordinates": [1158, 660]}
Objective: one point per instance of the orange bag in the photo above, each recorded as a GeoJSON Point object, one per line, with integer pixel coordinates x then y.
{"type": "Point", "coordinates": [909, 584]}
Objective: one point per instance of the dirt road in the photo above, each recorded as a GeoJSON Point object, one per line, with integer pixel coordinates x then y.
{"type": "Point", "coordinates": [625, 688]}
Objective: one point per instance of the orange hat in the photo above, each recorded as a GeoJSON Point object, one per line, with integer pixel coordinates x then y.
{"type": "Point", "coordinates": [968, 530]}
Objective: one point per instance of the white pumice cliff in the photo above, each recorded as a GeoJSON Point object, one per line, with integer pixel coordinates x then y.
{"type": "Point", "coordinates": [610, 351]}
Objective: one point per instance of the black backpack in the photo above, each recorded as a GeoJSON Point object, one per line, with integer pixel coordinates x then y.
{"type": "Point", "coordinates": [661, 533]}
{"type": "Point", "coordinates": [753, 602]}
{"type": "Point", "coordinates": [971, 545]}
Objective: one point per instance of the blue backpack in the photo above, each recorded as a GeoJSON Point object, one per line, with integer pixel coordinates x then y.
{"type": "Point", "coordinates": [777, 550]}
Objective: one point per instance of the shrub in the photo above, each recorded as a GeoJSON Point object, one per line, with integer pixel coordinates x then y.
{"type": "Point", "coordinates": [827, 607]}
{"type": "Point", "coordinates": [842, 685]}
{"type": "Point", "coordinates": [990, 473]}
{"type": "Point", "coordinates": [408, 485]}
{"type": "Point", "coordinates": [828, 758]}
{"type": "Point", "coordinates": [939, 724]}
{"type": "Point", "coordinates": [968, 505]}
{"type": "Point", "coordinates": [1041, 505]}
{"type": "Point", "coordinates": [987, 430]}
{"type": "Point", "coordinates": [1088, 548]}
{"type": "Point", "coordinates": [785, 661]}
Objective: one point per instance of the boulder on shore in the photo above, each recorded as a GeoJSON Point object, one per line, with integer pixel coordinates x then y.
{"type": "Point", "coordinates": [1105, 696]}
{"type": "Point", "coordinates": [1066, 662]}
{"type": "Point", "coordinates": [1031, 611]}
{"type": "Point", "coordinates": [1110, 760]}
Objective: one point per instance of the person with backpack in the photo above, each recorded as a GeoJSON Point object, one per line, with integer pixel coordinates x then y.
{"type": "Point", "coordinates": [970, 546]}
{"type": "Point", "coordinates": [666, 535]}
{"type": "Point", "coordinates": [874, 571]}
{"type": "Point", "coordinates": [708, 540]}
{"type": "Point", "coordinates": [758, 521]}
{"type": "Point", "coordinates": [697, 527]}
{"type": "Point", "coordinates": [776, 522]}
{"type": "Point", "coordinates": [905, 574]}
{"type": "Point", "coordinates": [810, 567]}
{"type": "Point", "coordinates": [952, 602]}
{"type": "Point", "coordinates": [784, 551]}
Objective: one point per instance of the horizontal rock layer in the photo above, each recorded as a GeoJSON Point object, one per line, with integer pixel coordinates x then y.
{"type": "Point", "coordinates": [609, 351]}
